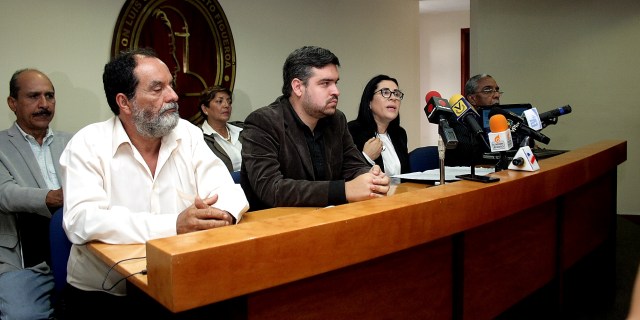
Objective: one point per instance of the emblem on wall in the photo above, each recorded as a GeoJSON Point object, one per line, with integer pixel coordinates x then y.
{"type": "Point", "coordinates": [192, 37]}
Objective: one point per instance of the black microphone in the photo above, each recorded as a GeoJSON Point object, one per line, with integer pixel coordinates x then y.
{"type": "Point", "coordinates": [519, 125]}
{"type": "Point", "coordinates": [438, 111]}
{"type": "Point", "coordinates": [465, 113]}
{"type": "Point", "coordinates": [514, 118]}
{"type": "Point", "coordinates": [550, 117]}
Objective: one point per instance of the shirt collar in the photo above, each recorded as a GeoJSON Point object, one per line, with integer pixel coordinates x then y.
{"type": "Point", "coordinates": [120, 137]}
{"type": "Point", "coordinates": [206, 128]}
{"type": "Point", "coordinates": [48, 138]}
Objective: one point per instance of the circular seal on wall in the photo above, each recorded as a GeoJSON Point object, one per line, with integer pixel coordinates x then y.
{"type": "Point", "coordinates": [192, 37]}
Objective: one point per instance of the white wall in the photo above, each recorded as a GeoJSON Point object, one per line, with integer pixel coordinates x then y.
{"type": "Point", "coordinates": [70, 40]}
{"type": "Point", "coordinates": [583, 53]}
{"type": "Point", "coordinates": [439, 61]}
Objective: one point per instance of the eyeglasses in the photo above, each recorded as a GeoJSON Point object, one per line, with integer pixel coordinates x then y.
{"type": "Point", "coordinates": [490, 91]}
{"type": "Point", "coordinates": [386, 93]}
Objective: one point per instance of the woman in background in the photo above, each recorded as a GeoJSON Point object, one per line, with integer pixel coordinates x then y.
{"type": "Point", "coordinates": [221, 135]}
{"type": "Point", "coordinates": [377, 131]}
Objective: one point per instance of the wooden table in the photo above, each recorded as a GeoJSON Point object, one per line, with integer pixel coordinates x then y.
{"type": "Point", "coordinates": [460, 250]}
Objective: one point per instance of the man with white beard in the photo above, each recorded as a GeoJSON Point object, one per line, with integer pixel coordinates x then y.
{"type": "Point", "coordinates": [143, 174]}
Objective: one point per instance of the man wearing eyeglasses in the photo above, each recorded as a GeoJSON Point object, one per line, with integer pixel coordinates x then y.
{"type": "Point", "coordinates": [482, 90]}
{"type": "Point", "coordinates": [297, 151]}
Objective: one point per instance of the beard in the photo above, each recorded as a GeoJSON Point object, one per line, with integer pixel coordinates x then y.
{"type": "Point", "coordinates": [316, 110]}
{"type": "Point", "coordinates": [155, 125]}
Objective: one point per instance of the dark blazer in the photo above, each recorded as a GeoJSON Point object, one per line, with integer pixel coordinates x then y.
{"type": "Point", "coordinates": [22, 197]}
{"type": "Point", "coordinates": [397, 135]}
{"type": "Point", "coordinates": [276, 164]}
{"type": "Point", "coordinates": [218, 150]}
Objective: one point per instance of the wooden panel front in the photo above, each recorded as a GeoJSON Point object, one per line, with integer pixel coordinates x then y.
{"type": "Point", "coordinates": [410, 284]}
{"type": "Point", "coordinates": [589, 218]}
{"type": "Point", "coordinates": [507, 260]}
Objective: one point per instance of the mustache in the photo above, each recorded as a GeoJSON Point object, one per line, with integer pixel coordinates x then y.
{"type": "Point", "coordinates": [42, 112]}
{"type": "Point", "coordinates": [169, 106]}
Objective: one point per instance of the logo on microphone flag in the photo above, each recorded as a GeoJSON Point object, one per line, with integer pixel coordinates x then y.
{"type": "Point", "coordinates": [530, 156]}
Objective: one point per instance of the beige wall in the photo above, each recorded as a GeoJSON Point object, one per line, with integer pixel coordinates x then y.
{"type": "Point", "coordinates": [369, 36]}
{"type": "Point", "coordinates": [70, 41]}
{"type": "Point", "coordinates": [583, 53]}
{"type": "Point", "coordinates": [440, 61]}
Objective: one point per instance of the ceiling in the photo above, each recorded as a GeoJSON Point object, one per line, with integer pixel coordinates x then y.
{"type": "Point", "coordinates": [443, 5]}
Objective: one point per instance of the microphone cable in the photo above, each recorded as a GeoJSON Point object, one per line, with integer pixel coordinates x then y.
{"type": "Point", "coordinates": [106, 276]}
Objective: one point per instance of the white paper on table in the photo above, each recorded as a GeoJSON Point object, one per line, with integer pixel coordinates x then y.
{"type": "Point", "coordinates": [450, 173]}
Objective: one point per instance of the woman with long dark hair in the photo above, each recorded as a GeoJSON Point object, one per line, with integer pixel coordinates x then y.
{"type": "Point", "coordinates": [377, 131]}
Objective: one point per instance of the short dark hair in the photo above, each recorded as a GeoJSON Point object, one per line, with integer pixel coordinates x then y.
{"type": "Point", "coordinates": [13, 83]}
{"type": "Point", "coordinates": [208, 94]}
{"type": "Point", "coordinates": [365, 115]}
{"type": "Point", "coordinates": [118, 76]}
{"type": "Point", "coordinates": [299, 63]}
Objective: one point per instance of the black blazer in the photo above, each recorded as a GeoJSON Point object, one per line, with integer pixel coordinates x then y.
{"type": "Point", "coordinates": [218, 150]}
{"type": "Point", "coordinates": [277, 170]}
{"type": "Point", "coordinates": [398, 139]}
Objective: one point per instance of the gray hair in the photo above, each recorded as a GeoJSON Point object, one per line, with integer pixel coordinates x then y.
{"type": "Point", "coordinates": [471, 86]}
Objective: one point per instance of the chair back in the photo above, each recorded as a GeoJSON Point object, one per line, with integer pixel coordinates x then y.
{"type": "Point", "coordinates": [236, 176]}
{"type": "Point", "coordinates": [60, 250]}
{"type": "Point", "coordinates": [424, 158]}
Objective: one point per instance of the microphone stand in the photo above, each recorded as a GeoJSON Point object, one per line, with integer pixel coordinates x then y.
{"type": "Point", "coordinates": [441, 157]}
{"type": "Point", "coordinates": [502, 163]}
{"type": "Point", "coordinates": [446, 140]}
{"type": "Point", "coordinates": [472, 176]}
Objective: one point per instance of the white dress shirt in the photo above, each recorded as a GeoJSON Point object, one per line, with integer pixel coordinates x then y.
{"type": "Point", "coordinates": [389, 156]}
{"type": "Point", "coordinates": [111, 195]}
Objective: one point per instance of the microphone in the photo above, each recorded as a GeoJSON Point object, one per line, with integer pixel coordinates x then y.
{"type": "Point", "coordinates": [500, 139]}
{"type": "Point", "coordinates": [514, 118]}
{"type": "Point", "coordinates": [533, 119]}
{"type": "Point", "coordinates": [465, 113]}
{"type": "Point", "coordinates": [431, 104]}
{"type": "Point", "coordinates": [500, 135]}
{"type": "Point", "coordinates": [438, 111]}
{"type": "Point", "coordinates": [550, 117]}
{"type": "Point", "coordinates": [519, 126]}
{"type": "Point", "coordinates": [524, 160]}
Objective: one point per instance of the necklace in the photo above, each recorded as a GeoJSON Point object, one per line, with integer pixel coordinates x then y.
{"type": "Point", "coordinates": [228, 138]}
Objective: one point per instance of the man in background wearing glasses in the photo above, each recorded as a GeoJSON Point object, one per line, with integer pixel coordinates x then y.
{"type": "Point", "coordinates": [480, 90]}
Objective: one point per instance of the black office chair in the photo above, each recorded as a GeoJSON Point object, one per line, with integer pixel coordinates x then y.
{"type": "Point", "coordinates": [60, 250]}
{"type": "Point", "coordinates": [424, 158]}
